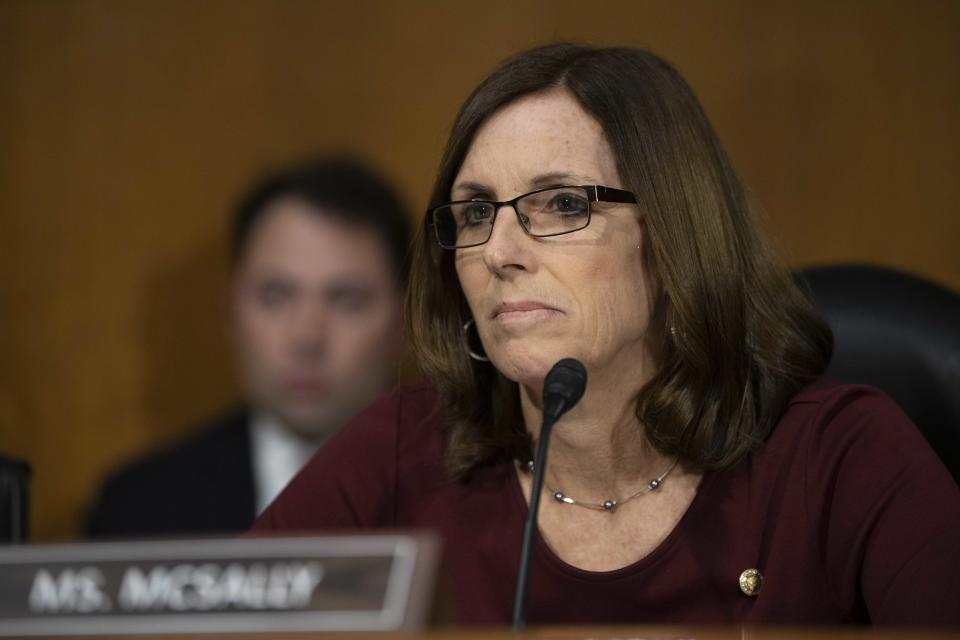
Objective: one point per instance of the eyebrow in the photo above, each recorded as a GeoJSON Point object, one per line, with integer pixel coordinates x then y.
{"type": "Point", "coordinates": [558, 179]}
{"type": "Point", "coordinates": [554, 179]}
{"type": "Point", "coordinates": [475, 187]}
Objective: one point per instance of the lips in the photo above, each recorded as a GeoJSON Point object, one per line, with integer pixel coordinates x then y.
{"type": "Point", "coordinates": [522, 310]}
{"type": "Point", "coordinates": [306, 386]}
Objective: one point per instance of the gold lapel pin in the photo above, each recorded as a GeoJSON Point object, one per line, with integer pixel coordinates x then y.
{"type": "Point", "coordinates": [751, 581]}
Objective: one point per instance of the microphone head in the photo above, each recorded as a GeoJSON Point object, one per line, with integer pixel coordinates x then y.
{"type": "Point", "coordinates": [563, 387]}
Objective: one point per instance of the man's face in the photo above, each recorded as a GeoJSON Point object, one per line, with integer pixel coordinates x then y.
{"type": "Point", "coordinates": [317, 315]}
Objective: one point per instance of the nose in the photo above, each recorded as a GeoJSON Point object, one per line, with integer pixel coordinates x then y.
{"type": "Point", "coordinates": [509, 245]}
{"type": "Point", "coordinates": [309, 329]}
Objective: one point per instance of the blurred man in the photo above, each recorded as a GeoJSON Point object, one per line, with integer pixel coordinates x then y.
{"type": "Point", "coordinates": [318, 272]}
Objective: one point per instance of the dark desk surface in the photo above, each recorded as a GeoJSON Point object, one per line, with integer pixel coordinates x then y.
{"type": "Point", "coordinates": [602, 633]}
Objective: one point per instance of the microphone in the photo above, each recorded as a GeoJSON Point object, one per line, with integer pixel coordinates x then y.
{"type": "Point", "coordinates": [562, 389]}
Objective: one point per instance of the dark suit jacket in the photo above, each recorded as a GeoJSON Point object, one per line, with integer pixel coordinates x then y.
{"type": "Point", "coordinates": [200, 486]}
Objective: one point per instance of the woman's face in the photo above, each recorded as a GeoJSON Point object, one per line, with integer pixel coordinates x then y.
{"type": "Point", "coordinates": [536, 300]}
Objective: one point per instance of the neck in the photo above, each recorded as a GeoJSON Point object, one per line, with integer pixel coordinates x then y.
{"type": "Point", "coordinates": [301, 438]}
{"type": "Point", "coordinates": [599, 449]}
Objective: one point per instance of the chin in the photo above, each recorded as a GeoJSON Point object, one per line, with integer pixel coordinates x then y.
{"type": "Point", "coordinates": [309, 422]}
{"type": "Point", "coordinates": [526, 366]}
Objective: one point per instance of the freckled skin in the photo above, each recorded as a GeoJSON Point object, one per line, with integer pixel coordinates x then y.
{"type": "Point", "coordinates": [594, 277]}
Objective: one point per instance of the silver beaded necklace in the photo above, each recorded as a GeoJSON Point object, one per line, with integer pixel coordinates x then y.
{"type": "Point", "coordinates": [606, 505]}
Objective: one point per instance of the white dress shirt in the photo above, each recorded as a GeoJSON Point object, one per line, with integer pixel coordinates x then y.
{"type": "Point", "coordinates": [277, 454]}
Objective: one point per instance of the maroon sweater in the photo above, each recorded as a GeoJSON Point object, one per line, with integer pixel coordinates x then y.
{"type": "Point", "coordinates": [845, 510]}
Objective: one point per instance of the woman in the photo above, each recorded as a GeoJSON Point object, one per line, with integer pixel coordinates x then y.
{"type": "Point", "coordinates": [584, 208]}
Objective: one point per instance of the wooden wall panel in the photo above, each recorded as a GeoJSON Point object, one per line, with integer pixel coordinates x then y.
{"type": "Point", "coordinates": [128, 128]}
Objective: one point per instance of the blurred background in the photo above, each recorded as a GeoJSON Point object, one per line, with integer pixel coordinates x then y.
{"type": "Point", "coordinates": [127, 129]}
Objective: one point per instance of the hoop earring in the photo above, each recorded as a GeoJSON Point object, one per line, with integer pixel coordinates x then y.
{"type": "Point", "coordinates": [466, 343]}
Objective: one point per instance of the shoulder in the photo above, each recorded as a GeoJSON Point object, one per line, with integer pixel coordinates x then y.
{"type": "Point", "coordinates": [829, 393]}
{"type": "Point", "coordinates": [203, 452]}
{"type": "Point", "coordinates": [405, 407]}
{"type": "Point", "coordinates": [200, 483]}
{"type": "Point", "coordinates": [859, 433]}
{"type": "Point", "coordinates": [829, 414]}
{"type": "Point", "coordinates": [404, 414]}
{"type": "Point", "coordinates": [885, 508]}
{"type": "Point", "coordinates": [860, 461]}
{"type": "Point", "coordinates": [353, 479]}
{"type": "Point", "coordinates": [400, 431]}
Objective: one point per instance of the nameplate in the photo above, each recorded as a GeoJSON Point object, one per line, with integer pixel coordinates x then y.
{"type": "Point", "coordinates": [328, 583]}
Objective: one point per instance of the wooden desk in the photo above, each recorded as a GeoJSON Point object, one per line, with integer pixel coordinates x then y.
{"type": "Point", "coordinates": [601, 633]}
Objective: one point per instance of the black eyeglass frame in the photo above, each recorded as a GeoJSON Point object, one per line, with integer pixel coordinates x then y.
{"type": "Point", "coordinates": [595, 193]}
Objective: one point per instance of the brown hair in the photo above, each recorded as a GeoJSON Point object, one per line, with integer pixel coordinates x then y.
{"type": "Point", "coordinates": [737, 337]}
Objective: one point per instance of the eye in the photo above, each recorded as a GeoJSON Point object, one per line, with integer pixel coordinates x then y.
{"type": "Point", "coordinates": [474, 213]}
{"type": "Point", "coordinates": [350, 298]}
{"type": "Point", "coordinates": [272, 295]}
{"type": "Point", "coordinates": [568, 203]}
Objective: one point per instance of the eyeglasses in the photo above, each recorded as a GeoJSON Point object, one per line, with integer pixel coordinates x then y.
{"type": "Point", "coordinates": [545, 212]}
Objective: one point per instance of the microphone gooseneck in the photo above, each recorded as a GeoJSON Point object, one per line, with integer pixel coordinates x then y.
{"type": "Point", "coordinates": [562, 389]}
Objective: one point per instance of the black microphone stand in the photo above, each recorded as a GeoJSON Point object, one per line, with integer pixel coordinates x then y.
{"type": "Point", "coordinates": [562, 389]}
{"type": "Point", "coordinates": [539, 467]}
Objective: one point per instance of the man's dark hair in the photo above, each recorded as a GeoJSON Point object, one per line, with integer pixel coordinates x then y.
{"type": "Point", "coordinates": [339, 187]}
